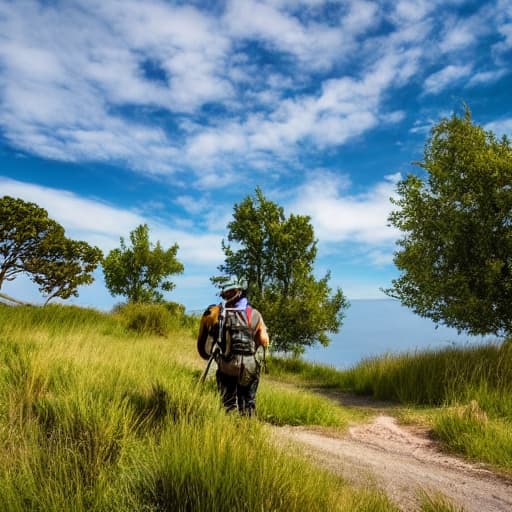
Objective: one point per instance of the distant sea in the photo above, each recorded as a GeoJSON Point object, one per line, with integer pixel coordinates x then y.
{"type": "Point", "coordinates": [376, 327]}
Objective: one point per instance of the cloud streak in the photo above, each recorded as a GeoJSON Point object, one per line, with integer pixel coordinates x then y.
{"type": "Point", "coordinates": [443, 78]}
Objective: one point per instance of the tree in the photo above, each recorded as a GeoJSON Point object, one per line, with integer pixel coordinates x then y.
{"type": "Point", "coordinates": [276, 255]}
{"type": "Point", "coordinates": [456, 251]}
{"type": "Point", "coordinates": [141, 270]}
{"type": "Point", "coordinates": [33, 244]}
{"type": "Point", "coordinates": [64, 265]}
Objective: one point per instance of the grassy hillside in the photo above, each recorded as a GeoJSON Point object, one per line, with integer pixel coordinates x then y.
{"type": "Point", "coordinates": [98, 414]}
{"type": "Point", "coordinates": [103, 412]}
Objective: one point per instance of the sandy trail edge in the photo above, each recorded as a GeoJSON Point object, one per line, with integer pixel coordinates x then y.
{"type": "Point", "coordinates": [402, 461]}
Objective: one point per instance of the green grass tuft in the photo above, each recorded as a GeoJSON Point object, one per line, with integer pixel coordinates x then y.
{"type": "Point", "coordinates": [298, 407]}
{"type": "Point", "coordinates": [437, 503]}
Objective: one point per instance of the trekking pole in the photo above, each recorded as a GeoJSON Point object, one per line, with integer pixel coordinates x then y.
{"type": "Point", "coordinates": [207, 368]}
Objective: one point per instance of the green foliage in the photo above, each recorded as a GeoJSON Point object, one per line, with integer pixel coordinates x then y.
{"type": "Point", "coordinates": [229, 466]}
{"type": "Point", "coordinates": [479, 377]}
{"type": "Point", "coordinates": [62, 265]}
{"type": "Point", "coordinates": [180, 317]}
{"type": "Point", "coordinates": [276, 256]}
{"type": "Point", "coordinates": [456, 251]}
{"type": "Point", "coordinates": [159, 319]}
{"type": "Point", "coordinates": [147, 318]}
{"type": "Point", "coordinates": [34, 244]}
{"type": "Point", "coordinates": [140, 271]}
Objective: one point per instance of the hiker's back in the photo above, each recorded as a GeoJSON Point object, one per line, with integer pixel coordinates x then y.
{"type": "Point", "coordinates": [240, 330]}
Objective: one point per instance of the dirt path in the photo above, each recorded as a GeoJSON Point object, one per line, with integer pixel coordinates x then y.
{"type": "Point", "coordinates": [402, 461]}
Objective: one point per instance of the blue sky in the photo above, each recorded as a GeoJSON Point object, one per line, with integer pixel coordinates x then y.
{"type": "Point", "coordinates": [116, 113]}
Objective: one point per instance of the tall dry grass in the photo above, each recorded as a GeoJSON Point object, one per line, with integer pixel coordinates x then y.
{"type": "Point", "coordinates": [97, 417]}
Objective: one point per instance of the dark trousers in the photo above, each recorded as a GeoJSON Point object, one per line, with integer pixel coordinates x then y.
{"type": "Point", "coordinates": [234, 395]}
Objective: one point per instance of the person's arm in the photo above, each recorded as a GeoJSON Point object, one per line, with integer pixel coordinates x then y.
{"type": "Point", "coordinates": [261, 334]}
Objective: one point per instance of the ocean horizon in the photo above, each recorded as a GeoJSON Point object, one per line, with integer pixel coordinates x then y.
{"type": "Point", "coordinates": [374, 327]}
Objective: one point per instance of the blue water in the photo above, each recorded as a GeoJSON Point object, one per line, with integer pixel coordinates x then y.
{"type": "Point", "coordinates": [376, 327]}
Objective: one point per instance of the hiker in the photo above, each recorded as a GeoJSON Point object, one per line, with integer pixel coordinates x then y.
{"type": "Point", "coordinates": [234, 334]}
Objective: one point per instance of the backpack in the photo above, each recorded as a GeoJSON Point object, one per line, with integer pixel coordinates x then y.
{"type": "Point", "coordinates": [238, 346]}
{"type": "Point", "coordinates": [238, 333]}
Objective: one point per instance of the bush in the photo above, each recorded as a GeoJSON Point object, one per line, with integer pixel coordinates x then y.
{"type": "Point", "coordinates": [147, 318]}
{"type": "Point", "coordinates": [177, 312]}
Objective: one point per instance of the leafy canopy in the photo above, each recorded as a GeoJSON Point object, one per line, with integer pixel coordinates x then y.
{"type": "Point", "coordinates": [455, 254]}
{"type": "Point", "coordinates": [275, 255]}
{"type": "Point", "coordinates": [139, 271]}
{"type": "Point", "coordinates": [33, 244]}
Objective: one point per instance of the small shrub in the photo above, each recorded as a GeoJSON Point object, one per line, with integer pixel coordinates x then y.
{"type": "Point", "coordinates": [180, 317]}
{"type": "Point", "coordinates": [175, 308]}
{"type": "Point", "coordinates": [147, 318]}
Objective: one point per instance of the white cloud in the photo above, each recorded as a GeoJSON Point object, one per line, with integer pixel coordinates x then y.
{"type": "Point", "coordinates": [446, 77]}
{"type": "Point", "coordinates": [59, 86]}
{"type": "Point", "coordinates": [360, 16]}
{"type": "Point", "coordinates": [338, 216]}
{"type": "Point", "coordinates": [183, 41]}
{"type": "Point", "coordinates": [503, 17]}
{"type": "Point", "coordinates": [381, 258]}
{"type": "Point", "coordinates": [486, 77]}
{"type": "Point", "coordinates": [463, 33]}
{"type": "Point", "coordinates": [407, 10]}
{"type": "Point", "coordinates": [73, 212]}
{"type": "Point", "coordinates": [190, 204]}
{"type": "Point", "coordinates": [506, 31]}
{"type": "Point", "coordinates": [422, 127]}
{"type": "Point", "coordinates": [86, 88]}
{"type": "Point", "coordinates": [314, 43]}
{"type": "Point", "coordinates": [344, 108]}
{"type": "Point", "coordinates": [501, 127]}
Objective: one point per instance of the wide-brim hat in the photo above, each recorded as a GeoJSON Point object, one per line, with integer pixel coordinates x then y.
{"type": "Point", "coordinates": [233, 284]}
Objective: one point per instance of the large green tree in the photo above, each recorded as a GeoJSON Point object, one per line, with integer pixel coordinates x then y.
{"type": "Point", "coordinates": [275, 254]}
{"type": "Point", "coordinates": [455, 255]}
{"type": "Point", "coordinates": [140, 270]}
{"type": "Point", "coordinates": [31, 243]}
